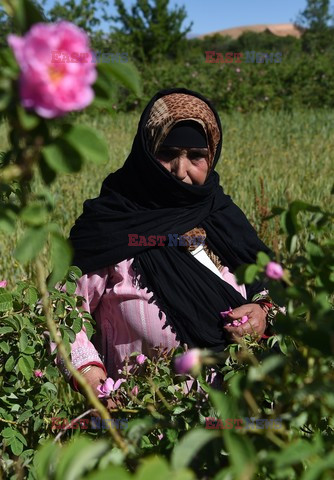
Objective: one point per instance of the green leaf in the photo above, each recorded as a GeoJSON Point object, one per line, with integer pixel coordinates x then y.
{"type": "Point", "coordinates": [62, 157]}
{"type": "Point", "coordinates": [4, 347]}
{"type": "Point", "coordinates": [262, 259]}
{"type": "Point", "coordinates": [111, 472]}
{"type": "Point", "coordinates": [46, 456]}
{"type": "Point", "coordinates": [16, 446]}
{"type": "Point", "coordinates": [77, 456]}
{"type": "Point", "coordinates": [124, 73]}
{"type": "Point", "coordinates": [153, 467]}
{"type": "Point", "coordinates": [89, 143]}
{"type": "Point", "coordinates": [316, 470]}
{"type": "Point", "coordinates": [25, 13]}
{"type": "Point", "coordinates": [47, 173]}
{"type": "Point", "coordinates": [77, 325]}
{"type": "Point", "coordinates": [296, 452]}
{"type": "Point", "coordinates": [4, 330]}
{"type": "Point", "coordinates": [24, 416]}
{"type": "Point", "coordinates": [28, 120]}
{"type": "Point", "coordinates": [61, 256]}
{"type": "Point", "coordinates": [225, 406]}
{"type": "Point", "coordinates": [74, 272]}
{"type": "Point", "coordinates": [269, 364]}
{"type": "Point", "coordinates": [7, 220]}
{"type": "Point", "coordinates": [70, 287]}
{"type": "Point", "coordinates": [31, 244]}
{"type": "Point", "coordinates": [24, 340]}
{"type": "Point", "coordinates": [242, 454]}
{"type": "Point", "coordinates": [25, 367]}
{"type": "Point", "coordinates": [20, 437]}
{"type": "Point", "coordinates": [6, 303]}
{"type": "Point", "coordinates": [31, 296]}
{"type": "Point", "coordinates": [34, 214]}
{"type": "Point", "coordinates": [190, 445]}
{"type": "Point", "coordinates": [8, 432]}
{"type": "Point", "coordinates": [9, 365]}
{"type": "Point", "coordinates": [89, 329]}
{"type": "Point", "coordinates": [250, 273]}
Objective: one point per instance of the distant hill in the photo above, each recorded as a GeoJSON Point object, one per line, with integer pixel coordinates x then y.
{"type": "Point", "coordinates": [279, 29]}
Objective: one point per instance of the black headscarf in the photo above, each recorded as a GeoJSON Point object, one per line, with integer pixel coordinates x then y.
{"type": "Point", "coordinates": [142, 197]}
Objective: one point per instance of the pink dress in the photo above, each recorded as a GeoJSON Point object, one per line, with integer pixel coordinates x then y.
{"type": "Point", "coordinates": [125, 321]}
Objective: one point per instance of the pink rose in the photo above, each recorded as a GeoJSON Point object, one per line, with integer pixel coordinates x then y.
{"type": "Point", "coordinates": [109, 386]}
{"type": "Point", "coordinates": [140, 359]}
{"type": "Point", "coordinates": [274, 270]}
{"type": "Point", "coordinates": [50, 87]}
{"type": "Point", "coordinates": [189, 361]}
{"type": "Point", "coordinates": [3, 283]}
{"type": "Point", "coordinates": [225, 314]}
{"type": "Point", "coordinates": [135, 390]}
{"type": "Point", "coordinates": [38, 373]}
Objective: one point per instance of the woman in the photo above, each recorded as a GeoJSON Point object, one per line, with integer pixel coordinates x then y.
{"type": "Point", "coordinates": [146, 285]}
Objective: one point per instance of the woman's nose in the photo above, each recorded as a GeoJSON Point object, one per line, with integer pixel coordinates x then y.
{"type": "Point", "coordinates": [179, 167]}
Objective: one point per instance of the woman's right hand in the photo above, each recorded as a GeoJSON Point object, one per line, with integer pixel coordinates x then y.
{"type": "Point", "coordinates": [95, 377]}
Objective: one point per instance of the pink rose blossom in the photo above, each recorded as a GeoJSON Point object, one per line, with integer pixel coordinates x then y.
{"type": "Point", "coordinates": [50, 88]}
{"type": "Point", "coordinates": [135, 390]}
{"type": "Point", "coordinates": [274, 270]}
{"type": "Point", "coordinates": [225, 314]}
{"type": "Point", "coordinates": [38, 373]}
{"type": "Point", "coordinates": [140, 359]}
{"type": "Point", "coordinates": [3, 283]}
{"type": "Point", "coordinates": [109, 386]}
{"type": "Point", "coordinates": [189, 361]}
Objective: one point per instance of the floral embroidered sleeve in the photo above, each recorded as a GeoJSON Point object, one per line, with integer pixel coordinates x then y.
{"type": "Point", "coordinates": [90, 286]}
{"type": "Point", "coordinates": [266, 302]}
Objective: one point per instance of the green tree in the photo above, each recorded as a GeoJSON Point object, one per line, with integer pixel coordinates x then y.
{"type": "Point", "coordinates": [86, 14]}
{"type": "Point", "coordinates": [151, 29]}
{"type": "Point", "coordinates": [316, 15]}
{"type": "Point", "coordinates": [316, 21]}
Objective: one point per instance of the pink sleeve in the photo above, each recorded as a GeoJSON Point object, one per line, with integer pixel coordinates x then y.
{"type": "Point", "coordinates": [230, 278]}
{"type": "Point", "coordinates": [91, 286]}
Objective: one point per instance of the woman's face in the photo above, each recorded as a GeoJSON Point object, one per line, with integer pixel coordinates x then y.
{"type": "Point", "coordinates": [190, 165]}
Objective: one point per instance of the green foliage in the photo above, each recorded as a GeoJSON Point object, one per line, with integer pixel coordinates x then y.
{"type": "Point", "coordinates": [152, 28]}
{"type": "Point", "coordinates": [86, 14]}
{"type": "Point", "coordinates": [316, 16]}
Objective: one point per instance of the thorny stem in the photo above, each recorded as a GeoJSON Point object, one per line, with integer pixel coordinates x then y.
{"type": "Point", "coordinates": [8, 421]}
{"type": "Point", "coordinates": [157, 391]}
{"type": "Point", "coordinates": [40, 274]}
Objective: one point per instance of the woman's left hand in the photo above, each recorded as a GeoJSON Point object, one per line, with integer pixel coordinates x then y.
{"type": "Point", "coordinates": [255, 326]}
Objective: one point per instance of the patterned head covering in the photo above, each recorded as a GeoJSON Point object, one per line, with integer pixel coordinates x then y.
{"type": "Point", "coordinates": [170, 109]}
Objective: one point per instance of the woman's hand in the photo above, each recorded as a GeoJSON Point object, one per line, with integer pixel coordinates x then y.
{"type": "Point", "coordinates": [255, 326]}
{"type": "Point", "coordinates": [95, 377]}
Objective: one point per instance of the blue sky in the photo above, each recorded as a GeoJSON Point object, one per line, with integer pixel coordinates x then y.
{"type": "Point", "coordinates": [212, 15]}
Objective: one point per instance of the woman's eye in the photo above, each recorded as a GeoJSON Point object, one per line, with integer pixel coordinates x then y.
{"type": "Point", "coordinates": [197, 156]}
{"type": "Point", "coordinates": [166, 156]}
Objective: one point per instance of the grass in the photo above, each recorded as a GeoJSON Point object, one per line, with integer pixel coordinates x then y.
{"type": "Point", "coordinates": [268, 159]}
